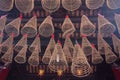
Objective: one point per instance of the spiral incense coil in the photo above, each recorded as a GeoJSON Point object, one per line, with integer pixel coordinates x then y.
{"type": "Point", "coordinates": [35, 43]}
{"type": "Point", "coordinates": [58, 60]}
{"type": "Point", "coordinates": [110, 57]}
{"type": "Point", "coordinates": [117, 20]}
{"type": "Point", "coordinates": [30, 28]}
{"type": "Point", "coordinates": [105, 27]}
{"type": "Point", "coordinates": [116, 42]}
{"type": "Point", "coordinates": [71, 5]}
{"type": "Point", "coordinates": [3, 20]}
{"type": "Point", "coordinates": [6, 5]}
{"type": "Point", "coordinates": [48, 52]}
{"type": "Point", "coordinates": [113, 4]}
{"type": "Point", "coordinates": [34, 58]}
{"type": "Point", "coordinates": [94, 4]}
{"type": "Point", "coordinates": [7, 57]}
{"type": "Point", "coordinates": [7, 44]}
{"type": "Point", "coordinates": [80, 66]}
{"type": "Point", "coordinates": [67, 27]}
{"type": "Point", "coordinates": [50, 5]}
{"type": "Point", "coordinates": [21, 43]}
{"type": "Point", "coordinates": [46, 29]}
{"type": "Point", "coordinates": [24, 6]}
{"type": "Point", "coordinates": [87, 28]}
{"type": "Point", "coordinates": [21, 56]}
{"type": "Point", "coordinates": [101, 42]}
{"type": "Point", "coordinates": [86, 46]}
{"type": "Point", "coordinates": [13, 27]}
{"type": "Point", "coordinates": [96, 57]}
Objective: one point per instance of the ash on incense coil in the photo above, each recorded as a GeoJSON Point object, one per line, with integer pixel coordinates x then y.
{"type": "Point", "coordinates": [6, 5]}
{"type": "Point", "coordinates": [58, 60]}
{"type": "Point", "coordinates": [46, 28]}
{"type": "Point", "coordinates": [87, 28]}
{"type": "Point", "coordinates": [50, 5]}
{"type": "Point", "coordinates": [24, 6]}
{"type": "Point", "coordinates": [30, 28]}
{"type": "Point", "coordinates": [94, 4]}
{"type": "Point", "coordinates": [71, 5]}
{"type": "Point", "coordinates": [21, 56]}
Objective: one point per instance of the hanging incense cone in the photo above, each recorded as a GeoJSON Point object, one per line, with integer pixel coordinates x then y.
{"type": "Point", "coordinates": [6, 5]}
{"type": "Point", "coordinates": [105, 28]}
{"type": "Point", "coordinates": [58, 60]}
{"type": "Point", "coordinates": [71, 5]}
{"type": "Point", "coordinates": [30, 28]}
{"type": "Point", "coordinates": [50, 5]}
{"type": "Point", "coordinates": [49, 50]}
{"type": "Point", "coordinates": [93, 4]}
{"type": "Point", "coordinates": [67, 27]}
{"type": "Point", "coordinates": [46, 28]}
{"type": "Point", "coordinates": [87, 28]}
{"type": "Point", "coordinates": [24, 6]}
{"type": "Point", "coordinates": [21, 56]}
{"type": "Point", "coordinates": [13, 27]}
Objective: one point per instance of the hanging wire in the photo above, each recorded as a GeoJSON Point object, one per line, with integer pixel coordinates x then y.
{"type": "Point", "coordinates": [87, 28]}
{"type": "Point", "coordinates": [67, 27]}
{"type": "Point", "coordinates": [94, 4]}
{"type": "Point", "coordinates": [46, 28]}
{"type": "Point", "coordinates": [113, 4]}
{"type": "Point", "coordinates": [71, 5]}
{"type": "Point", "coordinates": [117, 20]}
{"type": "Point", "coordinates": [6, 5]}
{"type": "Point", "coordinates": [13, 27]}
{"type": "Point", "coordinates": [34, 58]}
{"type": "Point", "coordinates": [58, 60]}
{"type": "Point", "coordinates": [49, 50]}
{"type": "Point", "coordinates": [21, 43]}
{"type": "Point", "coordinates": [80, 66]}
{"type": "Point", "coordinates": [50, 5]}
{"type": "Point", "coordinates": [105, 28]}
{"type": "Point", "coordinates": [30, 27]}
{"type": "Point", "coordinates": [24, 6]}
{"type": "Point", "coordinates": [21, 56]}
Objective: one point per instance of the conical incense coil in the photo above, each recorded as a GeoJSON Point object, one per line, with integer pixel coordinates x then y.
{"type": "Point", "coordinates": [24, 6]}
{"type": "Point", "coordinates": [34, 58]}
{"type": "Point", "coordinates": [117, 20]}
{"type": "Point", "coordinates": [35, 43]}
{"type": "Point", "coordinates": [7, 57]}
{"type": "Point", "coordinates": [46, 29]}
{"type": "Point", "coordinates": [21, 56]}
{"type": "Point", "coordinates": [30, 27]}
{"type": "Point", "coordinates": [6, 5]}
{"type": "Point", "coordinates": [50, 5]}
{"type": "Point", "coordinates": [3, 20]}
{"type": "Point", "coordinates": [110, 57]}
{"type": "Point", "coordinates": [94, 4]}
{"type": "Point", "coordinates": [101, 48]}
{"type": "Point", "coordinates": [67, 27]}
{"type": "Point", "coordinates": [7, 43]}
{"type": "Point", "coordinates": [58, 60]}
{"type": "Point", "coordinates": [13, 27]}
{"type": "Point", "coordinates": [48, 52]}
{"type": "Point", "coordinates": [105, 28]}
{"type": "Point", "coordinates": [113, 4]}
{"type": "Point", "coordinates": [87, 28]}
{"type": "Point", "coordinates": [86, 46]}
{"type": "Point", "coordinates": [21, 43]}
{"type": "Point", "coordinates": [71, 5]}
{"type": "Point", "coordinates": [80, 66]}
{"type": "Point", "coordinates": [96, 57]}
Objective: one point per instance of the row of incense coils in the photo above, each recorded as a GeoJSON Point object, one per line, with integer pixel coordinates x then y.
{"type": "Point", "coordinates": [57, 57]}
{"type": "Point", "coordinates": [26, 6]}
{"type": "Point", "coordinates": [46, 28]}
